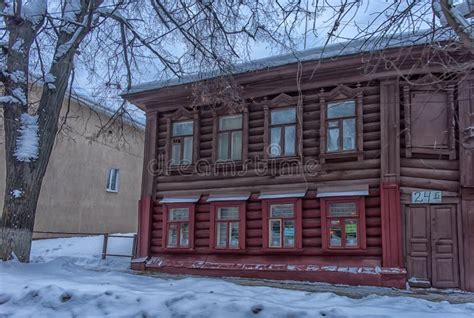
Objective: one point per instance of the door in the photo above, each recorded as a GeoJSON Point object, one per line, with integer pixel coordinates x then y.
{"type": "Point", "coordinates": [418, 245]}
{"type": "Point", "coordinates": [444, 254]}
{"type": "Point", "coordinates": [432, 258]}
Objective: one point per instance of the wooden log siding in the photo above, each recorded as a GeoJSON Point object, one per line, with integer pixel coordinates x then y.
{"type": "Point", "coordinates": [311, 227]}
{"type": "Point", "coordinates": [366, 170]}
{"type": "Point", "coordinates": [419, 169]}
{"type": "Point", "coordinates": [425, 171]}
{"type": "Point", "coordinates": [333, 171]}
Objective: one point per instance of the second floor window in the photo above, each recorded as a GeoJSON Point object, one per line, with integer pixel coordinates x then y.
{"type": "Point", "coordinates": [113, 180]}
{"type": "Point", "coordinates": [182, 142]}
{"type": "Point", "coordinates": [230, 138]}
{"type": "Point", "coordinates": [283, 132]}
{"type": "Point", "coordinates": [341, 126]}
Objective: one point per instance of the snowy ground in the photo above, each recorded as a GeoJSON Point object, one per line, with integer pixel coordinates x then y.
{"type": "Point", "coordinates": [67, 278]}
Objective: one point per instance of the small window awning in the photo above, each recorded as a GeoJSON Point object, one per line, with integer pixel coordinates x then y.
{"type": "Point", "coordinates": [342, 191]}
{"type": "Point", "coordinates": [187, 199]}
{"type": "Point", "coordinates": [282, 194]}
{"type": "Point", "coordinates": [216, 197]}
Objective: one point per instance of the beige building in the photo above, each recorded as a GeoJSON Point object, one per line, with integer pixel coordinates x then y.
{"type": "Point", "coordinates": [91, 184]}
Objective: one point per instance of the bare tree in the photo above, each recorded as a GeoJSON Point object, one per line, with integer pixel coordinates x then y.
{"type": "Point", "coordinates": [117, 40]}
{"type": "Point", "coordinates": [116, 35]}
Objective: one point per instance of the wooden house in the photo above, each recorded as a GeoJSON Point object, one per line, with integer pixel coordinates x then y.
{"type": "Point", "coordinates": [337, 167]}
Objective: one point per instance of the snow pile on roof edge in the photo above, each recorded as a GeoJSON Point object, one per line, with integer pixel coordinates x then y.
{"type": "Point", "coordinates": [319, 53]}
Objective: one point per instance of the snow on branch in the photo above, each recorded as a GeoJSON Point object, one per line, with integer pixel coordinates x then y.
{"type": "Point", "coordinates": [49, 80]}
{"type": "Point", "coordinates": [71, 9]}
{"type": "Point", "coordinates": [17, 193]}
{"type": "Point", "coordinates": [454, 15]}
{"type": "Point", "coordinates": [27, 142]}
{"type": "Point", "coordinates": [18, 76]}
{"type": "Point", "coordinates": [8, 99]}
{"type": "Point", "coordinates": [18, 45]}
{"type": "Point", "coordinates": [18, 96]}
{"type": "Point", "coordinates": [34, 11]}
{"type": "Point", "coordinates": [63, 49]}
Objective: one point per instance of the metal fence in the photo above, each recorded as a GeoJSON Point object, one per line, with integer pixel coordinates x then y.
{"type": "Point", "coordinates": [105, 242]}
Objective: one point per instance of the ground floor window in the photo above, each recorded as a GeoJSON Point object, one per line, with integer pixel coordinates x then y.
{"type": "Point", "coordinates": [282, 223]}
{"type": "Point", "coordinates": [178, 227]}
{"type": "Point", "coordinates": [228, 225]}
{"type": "Point", "coordinates": [343, 223]}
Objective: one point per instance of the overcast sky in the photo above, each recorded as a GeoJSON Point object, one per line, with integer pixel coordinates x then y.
{"type": "Point", "coordinates": [367, 13]}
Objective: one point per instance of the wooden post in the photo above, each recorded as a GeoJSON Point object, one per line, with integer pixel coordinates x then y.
{"type": "Point", "coordinates": [104, 246]}
{"type": "Point", "coordinates": [145, 203]}
{"type": "Point", "coordinates": [466, 160]}
{"type": "Point", "coordinates": [197, 136]}
{"type": "Point", "coordinates": [144, 227]}
{"type": "Point", "coordinates": [266, 132]}
{"type": "Point", "coordinates": [245, 131]}
{"type": "Point", "coordinates": [322, 126]}
{"type": "Point", "coordinates": [360, 122]}
{"type": "Point", "coordinates": [134, 245]}
{"type": "Point", "coordinates": [390, 174]}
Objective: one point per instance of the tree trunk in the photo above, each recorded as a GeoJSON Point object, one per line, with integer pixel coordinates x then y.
{"type": "Point", "coordinates": [27, 177]}
{"type": "Point", "coordinates": [19, 213]}
{"type": "Point", "coordinates": [24, 178]}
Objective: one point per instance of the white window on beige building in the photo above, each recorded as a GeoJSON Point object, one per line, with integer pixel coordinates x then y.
{"type": "Point", "coordinates": [113, 180]}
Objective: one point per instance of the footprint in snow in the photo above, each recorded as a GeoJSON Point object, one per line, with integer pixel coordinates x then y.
{"type": "Point", "coordinates": [256, 309]}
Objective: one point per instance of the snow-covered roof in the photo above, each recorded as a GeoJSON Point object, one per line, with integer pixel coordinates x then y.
{"type": "Point", "coordinates": [188, 199]}
{"type": "Point", "coordinates": [281, 194]}
{"type": "Point", "coordinates": [228, 197]}
{"type": "Point", "coordinates": [339, 191]}
{"type": "Point", "coordinates": [138, 121]}
{"type": "Point", "coordinates": [83, 99]}
{"type": "Point", "coordinates": [318, 53]}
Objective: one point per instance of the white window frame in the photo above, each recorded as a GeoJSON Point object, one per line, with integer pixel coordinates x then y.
{"type": "Point", "coordinates": [228, 230]}
{"type": "Point", "coordinates": [230, 134]}
{"type": "Point", "coordinates": [340, 120]}
{"type": "Point", "coordinates": [109, 187]}
{"type": "Point", "coordinates": [281, 145]}
{"type": "Point", "coordinates": [181, 138]}
{"type": "Point", "coordinates": [281, 220]}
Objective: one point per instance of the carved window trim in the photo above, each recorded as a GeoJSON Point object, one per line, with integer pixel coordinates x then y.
{"type": "Point", "coordinates": [166, 224]}
{"type": "Point", "coordinates": [297, 218]}
{"type": "Point", "coordinates": [182, 114]}
{"type": "Point", "coordinates": [341, 93]}
{"type": "Point", "coordinates": [241, 205]}
{"type": "Point", "coordinates": [426, 84]}
{"type": "Point", "coordinates": [224, 111]}
{"type": "Point", "coordinates": [283, 101]}
{"type": "Point", "coordinates": [361, 224]}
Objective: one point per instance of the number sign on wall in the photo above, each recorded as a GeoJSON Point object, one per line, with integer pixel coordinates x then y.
{"type": "Point", "coordinates": [422, 197]}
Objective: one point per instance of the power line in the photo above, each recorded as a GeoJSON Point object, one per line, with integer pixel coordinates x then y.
{"type": "Point", "coordinates": [68, 11]}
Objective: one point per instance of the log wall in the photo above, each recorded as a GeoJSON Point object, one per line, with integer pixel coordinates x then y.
{"type": "Point", "coordinates": [336, 172]}
{"type": "Point", "coordinates": [366, 170]}
{"type": "Point", "coordinates": [385, 163]}
{"type": "Point", "coordinates": [427, 171]}
{"type": "Point", "coordinates": [311, 229]}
